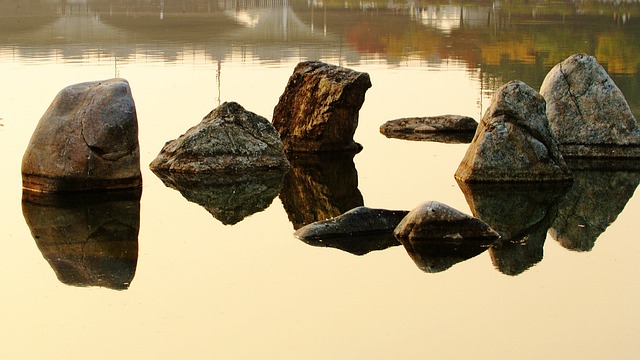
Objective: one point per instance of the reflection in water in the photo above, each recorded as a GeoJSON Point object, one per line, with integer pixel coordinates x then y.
{"type": "Point", "coordinates": [592, 204]}
{"type": "Point", "coordinates": [357, 244]}
{"type": "Point", "coordinates": [435, 256]}
{"type": "Point", "coordinates": [521, 213]}
{"type": "Point", "coordinates": [89, 239]}
{"type": "Point", "coordinates": [320, 187]}
{"type": "Point", "coordinates": [228, 199]}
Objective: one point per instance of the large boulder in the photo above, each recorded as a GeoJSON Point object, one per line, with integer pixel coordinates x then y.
{"type": "Point", "coordinates": [87, 140]}
{"type": "Point", "coordinates": [229, 140]}
{"type": "Point", "coordinates": [513, 142]}
{"type": "Point", "coordinates": [318, 110]}
{"type": "Point", "coordinates": [587, 112]}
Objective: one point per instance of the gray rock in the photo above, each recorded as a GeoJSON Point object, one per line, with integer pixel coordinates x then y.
{"type": "Point", "coordinates": [228, 140]}
{"type": "Point", "coordinates": [435, 221]}
{"type": "Point", "coordinates": [319, 108]}
{"type": "Point", "coordinates": [513, 141]}
{"type": "Point", "coordinates": [587, 112]}
{"type": "Point", "coordinates": [87, 140]}
{"type": "Point", "coordinates": [444, 128]}
{"type": "Point", "coordinates": [358, 231]}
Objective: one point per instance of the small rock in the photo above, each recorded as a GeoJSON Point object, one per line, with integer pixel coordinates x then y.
{"type": "Point", "coordinates": [87, 140]}
{"type": "Point", "coordinates": [229, 139]}
{"type": "Point", "coordinates": [319, 108]}
{"type": "Point", "coordinates": [587, 112]}
{"type": "Point", "coordinates": [435, 221]}
{"type": "Point", "coordinates": [452, 129]}
{"type": "Point", "coordinates": [513, 141]}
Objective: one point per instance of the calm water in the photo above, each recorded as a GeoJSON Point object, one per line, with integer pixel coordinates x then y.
{"type": "Point", "coordinates": [171, 278]}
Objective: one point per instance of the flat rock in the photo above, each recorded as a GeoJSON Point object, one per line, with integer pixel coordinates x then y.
{"type": "Point", "coordinates": [319, 108]}
{"type": "Point", "coordinates": [442, 128]}
{"type": "Point", "coordinates": [87, 140]}
{"type": "Point", "coordinates": [229, 139]}
{"type": "Point", "coordinates": [513, 142]}
{"type": "Point", "coordinates": [587, 112]}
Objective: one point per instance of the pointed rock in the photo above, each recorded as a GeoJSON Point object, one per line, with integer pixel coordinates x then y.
{"type": "Point", "coordinates": [513, 141]}
{"type": "Point", "coordinates": [228, 140]}
{"type": "Point", "coordinates": [587, 112]}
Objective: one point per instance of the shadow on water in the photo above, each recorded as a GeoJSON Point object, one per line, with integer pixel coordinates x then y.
{"type": "Point", "coordinates": [521, 214]}
{"type": "Point", "coordinates": [228, 199]}
{"type": "Point", "coordinates": [593, 203]}
{"type": "Point", "coordinates": [89, 239]}
{"type": "Point", "coordinates": [320, 187]}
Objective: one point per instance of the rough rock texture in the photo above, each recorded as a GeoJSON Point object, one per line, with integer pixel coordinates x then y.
{"type": "Point", "coordinates": [86, 140]}
{"type": "Point", "coordinates": [318, 110]}
{"type": "Point", "coordinates": [593, 203]}
{"type": "Point", "coordinates": [228, 200]}
{"type": "Point", "coordinates": [513, 141]}
{"type": "Point", "coordinates": [521, 213]}
{"type": "Point", "coordinates": [358, 231]}
{"type": "Point", "coordinates": [587, 112]}
{"type": "Point", "coordinates": [443, 128]}
{"type": "Point", "coordinates": [435, 221]}
{"type": "Point", "coordinates": [319, 187]}
{"type": "Point", "coordinates": [229, 139]}
{"type": "Point", "coordinates": [88, 239]}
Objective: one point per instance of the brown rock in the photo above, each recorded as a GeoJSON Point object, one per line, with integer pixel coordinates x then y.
{"type": "Point", "coordinates": [318, 110]}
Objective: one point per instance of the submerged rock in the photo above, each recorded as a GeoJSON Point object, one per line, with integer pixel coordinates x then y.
{"type": "Point", "coordinates": [88, 239]}
{"type": "Point", "coordinates": [444, 128]}
{"type": "Point", "coordinates": [435, 221]}
{"type": "Point", "coordinates": [87, 140]}
{"type": "Point", "coordinates": [587, 112]}
{"type": "Point", "coordinates": [228, 140]}
{"type": "Point", "coordinates": [319, 108]}
{"type": "Point", "coordinates": [513, 141]}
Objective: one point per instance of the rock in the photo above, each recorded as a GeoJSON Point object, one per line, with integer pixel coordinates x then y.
{"type": "Point", "coordinates": [87, 140]}
{"type": "Point", "coordinates": [88, 239]}
{"type": "Point", "coordinates": [513, 142]}
{"type": "Point", "coordinates": [437, 256]}
{"type": "Point", "coordinates": [587, 112]}
{"type": "Point", "coordinates": [320, 186]}
{"type": "Point", "coordinates": [229, 200]}
{"type": "Point", "coordinates": [444, 128]}
{"type": "Point", "coordinates": [318, 110]}
{"type": "Point", "coordinates": [358, 231]}
{"type": "Point", "coordinates": [229, 140]}
{"type": "Point", "coordinates": [435, 221]}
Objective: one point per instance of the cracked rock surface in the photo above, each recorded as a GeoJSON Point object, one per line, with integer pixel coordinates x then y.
{"type": "Point", "coordinates": [585, 107]}
{"type": "Point", "coordinates": [87, 140]}
{"type": "Point", "coordinates": [513, 142]}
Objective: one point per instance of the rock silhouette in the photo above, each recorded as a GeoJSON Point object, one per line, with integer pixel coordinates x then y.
{"type": "Point", "coordinates": [87, 140]}
{"type": "Point", "coordinates": [587, 112]}
{"type": "Point", "coordinates": [513, 142]}
{"type": "Point", "coordinates": [319, 108]}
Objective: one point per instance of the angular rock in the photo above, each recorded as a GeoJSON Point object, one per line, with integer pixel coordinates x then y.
{"type": "Point", "coordinates": [454, 129]}
{"type": "Point", "coordinates": [88, 239]}
{"type": "Point", "coordinates": [318, 110]}
{"type": "Point", "coordinates": [513, 142]}
{"type": "Point", "coordinates": [434, 221]}
{"type": "Point", "coordinates": [587, 112]}
{"type": "Point", "coordinates": [87, 140]}
{"type": "Point", "coordinates": [228, 140]}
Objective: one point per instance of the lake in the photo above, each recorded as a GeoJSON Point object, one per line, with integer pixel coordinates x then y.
{"type": "Point", "coordinates": [167, 277]}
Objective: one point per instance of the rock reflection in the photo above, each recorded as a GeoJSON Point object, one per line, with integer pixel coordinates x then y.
{"type": "Point", "coordinates": [229, 199]}
{"type": "Point", "coordinates": [89, 239]}
{"type": "Point", "coordinates": [521, 213]}
{"type": "Point", "coordinates": [593, 203]}
{"type": "Point", "coordinates": [320, 187]}
{"type": "Point", "coordinates": [441, 137]}
{"type": "Point", "coordinates": [436, 256]}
